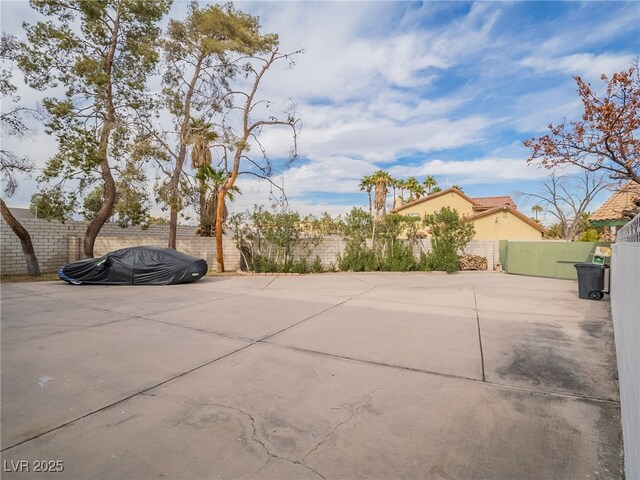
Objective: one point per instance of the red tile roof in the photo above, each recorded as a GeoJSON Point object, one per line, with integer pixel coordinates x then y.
{"type": "Point", "coordinates": [621, 200]}
{"type": "Point", "coordinates": [432, 196]}
{"type": "Point", "coordinates": [483, 203]}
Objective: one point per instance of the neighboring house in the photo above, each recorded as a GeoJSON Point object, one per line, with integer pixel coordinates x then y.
{"type": "Point", "coordinates": [494, 218]}
{"type": "Point", "coordinates": [19, 212]}
{"type": "Point", "coordinates": [618, 209]}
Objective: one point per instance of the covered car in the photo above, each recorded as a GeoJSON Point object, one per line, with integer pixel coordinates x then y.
{"type": "Point", "coordinates": [136, 266]}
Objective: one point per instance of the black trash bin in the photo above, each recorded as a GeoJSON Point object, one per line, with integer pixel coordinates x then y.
{"type": "Point", "coordinates": [590, 280]}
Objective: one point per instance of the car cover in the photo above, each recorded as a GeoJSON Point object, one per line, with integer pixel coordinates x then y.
{"type": "Point", "coordinates": [136, 266]}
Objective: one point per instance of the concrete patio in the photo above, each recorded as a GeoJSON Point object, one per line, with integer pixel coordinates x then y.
{"type": "Point", "coordinates": [336, 376]}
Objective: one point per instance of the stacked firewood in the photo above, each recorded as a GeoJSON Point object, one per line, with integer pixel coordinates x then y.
{"type": "Point", "coordinates": [472, 262]}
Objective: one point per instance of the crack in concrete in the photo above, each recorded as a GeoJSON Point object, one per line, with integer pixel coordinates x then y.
{"type": "Point", "coordinates": [338, 425]}
{"type": "Point", "coordinates": [254, 437]}
{"type": "Point", "coordinates": [175, 377]}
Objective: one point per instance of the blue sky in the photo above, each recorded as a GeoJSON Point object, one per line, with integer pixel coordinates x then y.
{"type": "Point", "coordinates": [448, 89]}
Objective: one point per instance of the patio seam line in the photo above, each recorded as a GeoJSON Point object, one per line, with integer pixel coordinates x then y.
{"type": "Point", "coordinates": [312, 316]}
{"type": "Point", "coordinates": [128, 397]}
{"type": "Point", "coordinates": [195, 304]}
{"type": "Point", "coordinates": [78, 329]}
{"type": "Point", "coordinates": [200, 330]}
{"type": "Point", "coordinates": [475, 300]}
{"type": "Point", "coordinates": [142, 392]}
{"type": "Point", "coordinates": [70, 303]}
{"type": "Point", "coordinates": [355, 277]}
{"type": "Point", "coordinates": [564, 315]}
{"type": "Point", "coordinates": [422, 305]}
{"type": "Point", "coordinates": [272, 280]}
{"type": "Point", "coordinates": [440, 374]}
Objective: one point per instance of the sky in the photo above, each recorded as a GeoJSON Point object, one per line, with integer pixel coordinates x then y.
{"type": "Point", "coordinates": [449, 89]}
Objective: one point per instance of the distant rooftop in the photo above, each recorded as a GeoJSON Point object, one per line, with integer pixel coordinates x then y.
{"type": "Point", "coordinates": [19, 212]}
{"type": "Point", "coordinates": [483, 203]}
{"type": "Point", "coordinates": [480, 204]}
{"type": "Point", "coordinates": [621, 200]}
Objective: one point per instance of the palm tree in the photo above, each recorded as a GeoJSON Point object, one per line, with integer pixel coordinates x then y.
{"type": "Point", "coordinates": [381, 180]}
{"type": "Point", "coordinates": [213, 179]}
{"type": "Point", "coordinates": [200, 136]}
{"type": "Point", "coordinates": [555, 231]}
{"type": "Point", "coordinates": [430, 183]}
{"type": "Point", "coordinates": [366, 184]}
{"type": "Point", "coordinates": [402, 186]}
{"type": "Point", "coordinates": [536, 209]}
{"type": "Point", "coordinates": [436, 189]}
{"type": "Point", "coordinates": [394, 183]}
{"type": "Point", "coordinates": [416, 190]}
{"type": "Point", "coordinates": [457, 187]}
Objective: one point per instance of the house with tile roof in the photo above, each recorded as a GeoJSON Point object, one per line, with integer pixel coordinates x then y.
{"type": "Point", "coordinates": [615, 212]}
{"type": "Point", "coordinates": [494, 218]}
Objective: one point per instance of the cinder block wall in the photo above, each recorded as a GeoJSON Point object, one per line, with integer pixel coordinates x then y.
{"type": "Point", "coordinates": [327, 250]}
{"type": "Point", "coordinates": [333, 245]}
{"type": "Point", "coordinates": [484, 248]}
{"type": "Point", "coordinates": [57, 243]}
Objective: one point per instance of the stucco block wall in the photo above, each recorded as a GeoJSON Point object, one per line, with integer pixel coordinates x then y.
{"type": "Point", "coordinates": [327, 250]}
{"type": "Point", "coordinates": [504, 225]}
{"type": "Point", "coordinates": [484, 248]}
{"type": "Point", "coordinates": [625, 310]}
{"type": "Point", "coordinates": [57, 243]}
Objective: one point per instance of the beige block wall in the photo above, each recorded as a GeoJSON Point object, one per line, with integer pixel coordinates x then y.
{"type": "Point", "coordinates": [58, 243]}
{"type": "Point", "coordinates": [201, 247]}
{"type": "Point", "coordinates": [490, 249]}
{"type": "Point", "coordinates": [432, 205]}
{"type": "Point", "coordinates": [504, 225]}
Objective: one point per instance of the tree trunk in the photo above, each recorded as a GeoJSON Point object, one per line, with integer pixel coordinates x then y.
{"type": "Point", "coordinates": [94, 227]}
{"type": "Point", "coordinates": [182, 154]}
{"type": "Point", "coordinates": [33, 268]}
{"type": "Point", "coordinates": [173, 227]}
{"type": "Point", "coordinates": [205, 223]}
{"type": "Point", "coordinates": [219, 220]}
{"type": "Point", "coordinates": [103, 148]}
{"type": "Point", "coordinates": [219, 217]}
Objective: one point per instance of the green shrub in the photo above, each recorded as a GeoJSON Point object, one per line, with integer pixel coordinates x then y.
{"type": "Point", "coordinates": [443, 259]}
{"type": "Point", "coordinates": [358, 258]}
{"type": "Point", "coordinates": [590, 235]}
{"type": "Point", "coordinates": [263, 264]}
{"type": "Point", "coordinates": [301, 266]}
{"type": "Point", "coordinates": [422, 263]}
{"type": "Point", "coordinates": [399, 258]}
{"type": "Point", "coordinates": [449, 233]}
{"type": "Point", "coordinates": [316, 266]}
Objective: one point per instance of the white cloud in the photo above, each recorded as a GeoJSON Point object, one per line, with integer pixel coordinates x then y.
{"type": "Point", "coordinates": [586, 65]}
{"type": "Point", "coordinates": [472, 172]}
{"type": "Point", "coordinates": [580, 29]}
{"type": "Point", "coordinates": [385, 80]}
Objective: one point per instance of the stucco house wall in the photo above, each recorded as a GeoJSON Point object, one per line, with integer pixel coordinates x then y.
{"type": "Point", "coordinates": [437, 203]}
{"type": "Point", "coordinates": [504, 225]}
{"type": "Point", "coordinates": [498, 222]}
